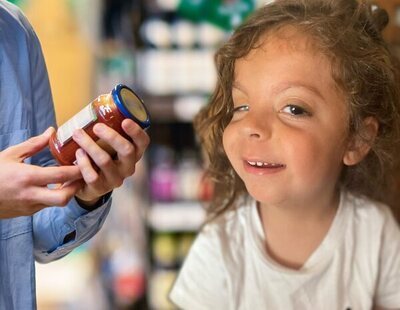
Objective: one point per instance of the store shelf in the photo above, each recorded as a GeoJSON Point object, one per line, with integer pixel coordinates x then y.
{"type": "Point", "coordinates": [176, 216]}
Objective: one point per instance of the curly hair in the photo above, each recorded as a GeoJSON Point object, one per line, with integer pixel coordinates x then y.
{"type": "Point", "coordinates": [348, 32]}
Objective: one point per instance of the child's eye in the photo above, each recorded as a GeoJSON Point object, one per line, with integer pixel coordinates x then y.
{"type": "Point", "coordinates": [241, 108]}
{"type": "Point", "coordinates": [295, 110]}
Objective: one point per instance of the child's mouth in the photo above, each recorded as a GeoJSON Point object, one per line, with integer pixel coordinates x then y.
{"type": "Point", "coordinates": [261, 164]}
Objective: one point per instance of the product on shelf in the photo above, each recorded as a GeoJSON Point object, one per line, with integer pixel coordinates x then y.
{"type": "Point", "coordinates": [177, 180]}
{"type": "Point", "coordinates": [157, 33]}
{"type": "Point", "coordinates": [209, 35]}
{"type": "Point", "coordinates": [128, 276]}
{"type": "Point", "coordinates": [160, 284]}
{"type": "Point", "coordinates": [163, 175]}
{"type": "Point", "coordinates": [189, 175]}
{"type": "Point", "coordinates": [183, 33]}
{"type": "Point", "coordinates": [184, 244]}
{"type": "Point", "coordinates": [224, 14]}
{"type": "Point", "coordinates": [164, 248]}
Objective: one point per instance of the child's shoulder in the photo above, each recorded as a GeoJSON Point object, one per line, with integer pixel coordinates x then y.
{"type": "Point", "coordinates": [368, 212]}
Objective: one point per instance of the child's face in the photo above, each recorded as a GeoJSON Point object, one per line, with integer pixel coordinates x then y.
{"type": "Point", "coordinates": [291, 119]}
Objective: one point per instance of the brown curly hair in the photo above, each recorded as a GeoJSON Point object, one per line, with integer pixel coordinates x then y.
{"type": "Point", "coordinates": [348, 32]}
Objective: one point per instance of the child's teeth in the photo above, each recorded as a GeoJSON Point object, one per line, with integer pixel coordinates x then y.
{"type": "Point", "coordinates": [263, 164]}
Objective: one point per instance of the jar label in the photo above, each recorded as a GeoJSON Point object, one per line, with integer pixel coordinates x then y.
{"type": "Point", "coordinates": [80, 120]}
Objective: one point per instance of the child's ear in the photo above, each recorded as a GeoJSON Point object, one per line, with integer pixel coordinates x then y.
{"type": "Point", "coordinates": [360, 143]}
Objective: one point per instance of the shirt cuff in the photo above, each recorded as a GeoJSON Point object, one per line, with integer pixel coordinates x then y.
{"type": "Point", "coordinates": [82, 223]}
{"type": "Point", "coordinates": [102, 201]}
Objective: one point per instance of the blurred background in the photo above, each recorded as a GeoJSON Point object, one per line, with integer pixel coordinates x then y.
{"type": "Point", "coordinates": [163, 49]}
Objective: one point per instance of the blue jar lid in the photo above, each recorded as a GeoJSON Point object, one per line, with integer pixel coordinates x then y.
{"type": "Point", "coordinates": [130, 105]}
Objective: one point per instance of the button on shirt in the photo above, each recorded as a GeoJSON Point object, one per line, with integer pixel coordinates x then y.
{"type": "Point", "coordinates": [26, 109]}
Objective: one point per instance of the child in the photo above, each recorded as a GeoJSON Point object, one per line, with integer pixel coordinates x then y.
{"type": "Point", "coordinates": [300, 135]}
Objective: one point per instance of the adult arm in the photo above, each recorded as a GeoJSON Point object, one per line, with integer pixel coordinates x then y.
{"type": "Point", "coordinates": [56, 230]}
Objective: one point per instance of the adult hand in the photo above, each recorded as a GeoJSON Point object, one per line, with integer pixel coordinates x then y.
{"type": "Point", "coordinates": [110, 171]}
{"type": "Point", "coordinates": [24, 188]}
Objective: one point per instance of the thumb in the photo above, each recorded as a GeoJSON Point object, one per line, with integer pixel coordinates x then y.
{"type": "Point", "coordinates": [30, 147]}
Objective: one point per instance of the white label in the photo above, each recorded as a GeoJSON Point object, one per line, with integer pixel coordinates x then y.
{"type": "Point", "coordinates": [80, 120]}
{"type": "Point", "coordinates": [105, 109]}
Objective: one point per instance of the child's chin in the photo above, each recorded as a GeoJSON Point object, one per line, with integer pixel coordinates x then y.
{"type": "Point", "coordinates": [263, 196]}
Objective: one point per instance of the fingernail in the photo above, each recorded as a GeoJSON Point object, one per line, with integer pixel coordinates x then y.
{"type": "Point", "coordinates": [129, 124]}
{"type": "Point", "coordinates": [99, 128]}
{"type": "Point", "coordinates": [80, 153]}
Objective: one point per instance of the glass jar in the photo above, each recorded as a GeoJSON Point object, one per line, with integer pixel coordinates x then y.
{"type": "Point", "coordinates": [110, 109]}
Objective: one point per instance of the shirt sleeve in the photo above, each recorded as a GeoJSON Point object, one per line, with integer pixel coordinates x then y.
{"type": "Point", "coordinates": [52, 225]}
{"type": "Point", "coordinates": [388, 288]}
{"type": "Point", "coordinates": [201, 282]}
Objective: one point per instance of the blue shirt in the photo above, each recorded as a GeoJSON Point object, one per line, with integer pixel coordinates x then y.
{"type": "Point", "coordinates": [26, 109]}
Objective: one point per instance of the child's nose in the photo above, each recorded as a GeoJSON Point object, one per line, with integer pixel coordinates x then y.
{"type": "Point", "coordinates": [257, 126]}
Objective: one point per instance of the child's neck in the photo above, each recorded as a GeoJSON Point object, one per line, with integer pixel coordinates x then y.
{"type": "Point", "coordinates": [293, 233]}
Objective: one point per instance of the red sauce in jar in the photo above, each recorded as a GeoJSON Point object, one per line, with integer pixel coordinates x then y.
{"type": "Point", "coordinates": [110, 109]}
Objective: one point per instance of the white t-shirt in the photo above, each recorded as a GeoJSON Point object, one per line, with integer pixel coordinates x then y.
{"type": "Point", "coordinates": [356, 266]}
